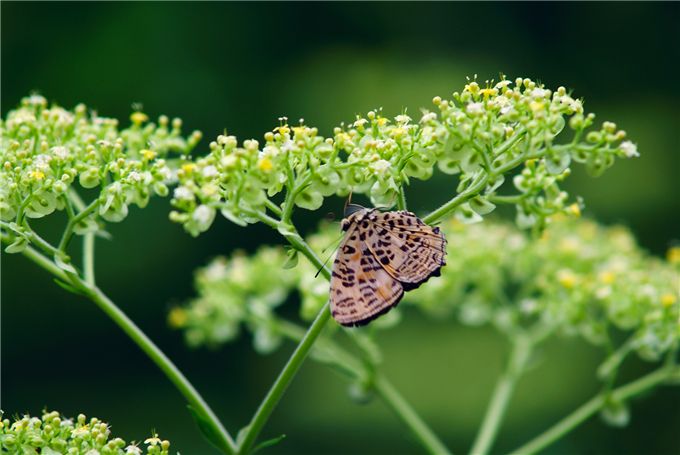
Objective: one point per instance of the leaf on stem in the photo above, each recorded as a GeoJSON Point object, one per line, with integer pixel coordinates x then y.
{"type": "Point", "coordinates": [207, 428]}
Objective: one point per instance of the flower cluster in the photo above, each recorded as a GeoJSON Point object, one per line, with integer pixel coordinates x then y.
{"type": "Point", "coordinates": [232, 292]}
{"type": "Point", "coordinates": [53, 434]}
{"type": "Point", "coordinates": [481, 134]}
{"type": "Point", "coordinates": [45, 150]}
{"type": "Point", "coordinates": [577, 278]}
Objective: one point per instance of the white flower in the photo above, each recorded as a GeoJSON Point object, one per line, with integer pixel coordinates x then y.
{"type": "Point", "coordinates": [428, 117]}
{"type": "Point", "coordinates": [475, 108]}
{"type": "Point", "coordinates": [133, 450]}
{"type": "Point", "coordinates": [381, 166]}
{"type": "Point", "coordinates": [360, 122]}
{"type": "Point", "coordinates": [216, 270]}
{"type": "Point", "coordinates": [183, 193]}
{"type": "Point", "coordinates": [134, 176]}
{"type": "Point", "coordinates": [288, 146]}
{"type": "Point", "coordinates": [539, 93]}
{"type": "Point", "coordinates": [228, 161]}
{"type": "Point", "coordinates": [61, 152]}
{"type": "Point", "coordinates": [209, 172]}
{"type": "Point", "coordinates": [403, 119]}
{"type": "Point", "coordinates": [629, 149]}
{"type": "Point", "coordinates": [203, 214]}
{"type": "Point", "coordinates": [42, 162]}
{"type": "Point", "coordinates": [270, 151]}
{"type": "Point", "coordinates": [502, 84]}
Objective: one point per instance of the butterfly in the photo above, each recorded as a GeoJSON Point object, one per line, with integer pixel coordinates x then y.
{"type": "Point", "coordinates": [382, 255]}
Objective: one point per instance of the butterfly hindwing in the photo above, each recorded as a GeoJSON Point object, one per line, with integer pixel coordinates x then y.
{"type": "Point", "coordinates": [361, 289]}
{"type": "Point", "coordinates": [410, 250]}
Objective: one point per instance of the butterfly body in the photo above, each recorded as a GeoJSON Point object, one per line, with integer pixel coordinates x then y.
{"type": "Point", "coordinates": [382, 255]}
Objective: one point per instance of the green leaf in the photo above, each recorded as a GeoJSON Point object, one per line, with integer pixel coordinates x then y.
{"type": "Point", "coordinates": [64, 262]}
{"type": "Point", "coordinates": [269, 443]}
{"type": "Point", "coordinates": [68, 287]}
{"type": "Point", "coordinates": [208, 430]}
{"type": "Point", "coordinates": [615, 413]}
{"type": "Point", "coordinates": [292, 258]}
{"type": "Point", "coordinates": [17, 246]}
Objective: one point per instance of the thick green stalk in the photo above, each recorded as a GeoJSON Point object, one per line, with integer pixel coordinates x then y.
{"type": "Point", "coordinates": [593, 405]}
{"type": "Point", "coordinates": [88, 258]}
{"type": "Point", "coordinates": [293, 365]}
{"type": "Point", "coordinates": [226, 444]}
{"type": "Point", "coordinates": [521, 350]}
{"type": "Point", "coordinates": [139, 337]}
{"type": "Point", "coordinates": [282, 381]}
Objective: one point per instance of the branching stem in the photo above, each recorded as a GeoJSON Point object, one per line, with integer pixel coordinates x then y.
{"type": "Point", "coordinates": [585, 411]}
{"type": "Point", "coordinates": [521, 350]}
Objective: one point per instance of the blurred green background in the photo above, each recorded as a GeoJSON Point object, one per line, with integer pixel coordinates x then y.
{"type": "Point", "coordinates": [240, 66]}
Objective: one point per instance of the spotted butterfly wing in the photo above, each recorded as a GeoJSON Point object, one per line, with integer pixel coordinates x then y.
{"type": "Point", "coordinates": [381, 256]}
{"type": "Point", "coordinates": [410, 250]}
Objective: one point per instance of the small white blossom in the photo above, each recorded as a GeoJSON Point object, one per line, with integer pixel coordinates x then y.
{"type": "Point", "coordinates": [288, 146]}
{"type": "Point", "coordinates": [228, 161]}
{"type": "Point", "coordinates": [134, 176]}
{"type": "Point", "coordinates": [42, 162]}
{"type": "Point", "coordinates": [381, 166]}
{"type": "Point", "coordinates": [133, 450]}
{"type": "Point", "coordinates": [428, 117]}
{"type": "Point", "coordinates": [539, 93]}
{"type": "Point", "coordinates": [183, 193]}
{"type": "Point", "coordinates": [203, 214]}
{"type": "Point", "coordinates": [209, 172]}
{"type": "Point", "coordinates": [475, 108]}
{"type": "Point", "coordinates": [629, 149]}
{"type": "Point", "coordinates": [502, 84]}
{"type": "Point", "coordinates": [270, 151]}
{"type": "Point", "coordinates": [61, 152]}
{"type": "Point", "coordinates": [403, 119]}
{"type": "Point", "coordinates": [360, 122]}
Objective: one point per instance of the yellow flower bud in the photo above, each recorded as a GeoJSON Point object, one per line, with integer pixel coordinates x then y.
{"type": "Point", "coordinates": [265, 164]}
{"type": "Point", "coordinates": [148, 155]}
{"type": "Point", "coordinates": [673, 255]}
{"type": "Point", "coordinates": [668, 299]}
{"type": "Point", "coordinates": [574, 210]}
{"type": "Point", "coordinates": [177, 317]}
{"type": "Point", "coordinates": [138, 118]}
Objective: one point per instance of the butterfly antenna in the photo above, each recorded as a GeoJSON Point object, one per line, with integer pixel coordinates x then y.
{"type": "Point", "coordinates": [334, 245]}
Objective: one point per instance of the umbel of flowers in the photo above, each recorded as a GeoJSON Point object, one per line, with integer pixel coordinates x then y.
{"type": "Point", "coordinates": [52, 157]}
{"type": "Point", "coordinates": [479, 135]}
{"type": "Point", "coordinates": [53, 434]}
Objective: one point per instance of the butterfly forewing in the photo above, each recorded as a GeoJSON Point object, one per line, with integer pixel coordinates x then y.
{"type": "Point", "coordinates": [361, 289]}
{"type": "Point", "coordinates": [382, 255]}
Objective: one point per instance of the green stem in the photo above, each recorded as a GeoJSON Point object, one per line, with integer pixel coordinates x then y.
{"type": "Point", "coordinates": [139, 337]}
{"type": "Point", "coordinates": [401, 200]}
{"type": "Point", "coordinates": [88, 258]}
{"type": "Point", "coordinates": [282, 381]}
{"type": "Point", "coordinates": [68, 232]}
{"type": "Point", "coordinates": [521, 350]}
{"type": "Point", "coordinates": [226, 444]}
{"type": "Point", "coordinates": [471, 191]}
{"type": "Point", "coordinates": [295, 361]}
{"type": "Point", "coordinates": [404, 410]}
{"type": "Point", "coordinates": [592, 406]}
